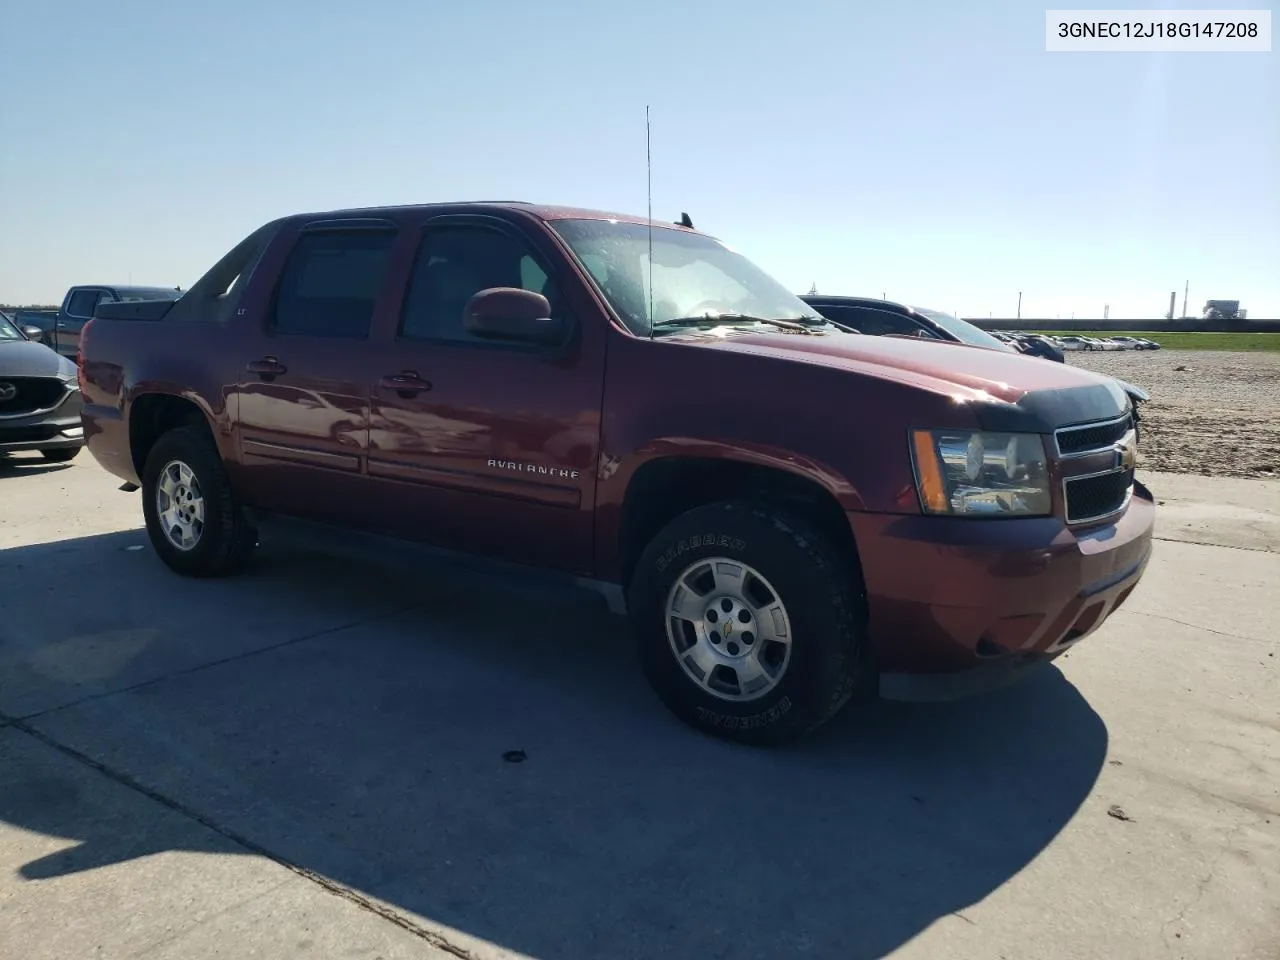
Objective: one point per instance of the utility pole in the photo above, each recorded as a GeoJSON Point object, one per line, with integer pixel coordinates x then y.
{"type": "Point", "coordinates": [1019, 304]}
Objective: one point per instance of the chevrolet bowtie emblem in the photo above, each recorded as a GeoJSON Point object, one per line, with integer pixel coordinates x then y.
{"type": "Point", "coordinates": [728, 628]}
{"type": "Point", "coordinates": [1126, 457]}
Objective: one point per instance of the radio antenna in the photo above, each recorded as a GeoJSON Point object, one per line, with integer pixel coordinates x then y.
{"type": "Point", "coordinates": [648, 164]}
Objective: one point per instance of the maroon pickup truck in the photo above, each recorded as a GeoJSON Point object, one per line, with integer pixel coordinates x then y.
{"type": "Point", "coordinates": [790, 513]}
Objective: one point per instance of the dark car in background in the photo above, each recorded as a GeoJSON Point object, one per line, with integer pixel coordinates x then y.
{"type": "Point", "coordinates": [1038, 345]}
{"type": "Point", "coordinates": [80, 302]}
{"type": "Point", "coordinates": [39, 397]}
{"type": "Point", "coordinates": [42, 321]}
{"type": "Point", "coordinates": [887, 318]}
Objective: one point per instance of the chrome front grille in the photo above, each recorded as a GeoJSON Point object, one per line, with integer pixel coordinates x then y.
{"type": "Point", "coordinates": [1086, 438]}
{"type": "Point", "coordinates": [1096, 496]}
{"type": "Point", "coordinates": [1098, 461]}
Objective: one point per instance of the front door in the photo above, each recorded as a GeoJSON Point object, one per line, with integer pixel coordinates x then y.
{"type": "Point", "coordinates": [303, 390]}
{"type": "Point", "coordinates": [484, 446]}
{"type": "Point", "coordinates": [75, 313]}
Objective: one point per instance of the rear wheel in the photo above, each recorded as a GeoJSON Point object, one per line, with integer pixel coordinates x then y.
{"type": "Point", "coordinates": [60, 455]}
{"type": "Point", "coordinates": [750, 624]}
{"type": "Point", "coordinates": [192, 517]}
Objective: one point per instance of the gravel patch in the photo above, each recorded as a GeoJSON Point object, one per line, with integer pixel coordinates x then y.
{"type": "Point", "coordinates": [1211, 413]}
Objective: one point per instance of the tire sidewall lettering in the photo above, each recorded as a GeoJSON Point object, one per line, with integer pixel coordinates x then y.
{"type": "Point", "coordinates": [698, 542]}
{"type": "Point", "coordinates": [727, 721]}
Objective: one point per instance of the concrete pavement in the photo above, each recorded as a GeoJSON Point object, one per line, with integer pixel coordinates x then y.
{"type": "Point", "coordinates": [307, 761]}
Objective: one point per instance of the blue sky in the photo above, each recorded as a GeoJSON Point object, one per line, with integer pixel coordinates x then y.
{"type": "Point", "coordinates": [932, 151]}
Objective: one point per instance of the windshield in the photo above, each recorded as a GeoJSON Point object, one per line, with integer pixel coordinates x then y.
{"type": "Point", "coordinates": [691, 274]}
{"type": "Point", "coordinates": [7, 330]}
{"type": "Point", "coordinates": [961, 328]}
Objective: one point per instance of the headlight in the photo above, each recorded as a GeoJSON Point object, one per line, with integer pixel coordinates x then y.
{"type": "Point", "coordinates": [968, 473]}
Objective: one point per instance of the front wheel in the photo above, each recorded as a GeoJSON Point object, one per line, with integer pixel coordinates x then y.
{"type": "Point", "coordinates": [192, 517]}
{"type": "Point", "coordinates": [750, 624]}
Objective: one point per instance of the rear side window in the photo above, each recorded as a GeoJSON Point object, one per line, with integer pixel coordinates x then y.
{"type": "Point", "coordinates": [331, 282]}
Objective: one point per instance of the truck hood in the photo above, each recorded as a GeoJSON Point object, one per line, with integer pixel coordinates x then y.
{"type": "Point", "coordinates": [1008, 391]}
{"type": "Point", "coordinates": [26, 358]}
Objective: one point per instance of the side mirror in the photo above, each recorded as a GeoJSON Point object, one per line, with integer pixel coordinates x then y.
{"type": "Point", "coordinates": [508, 313]}
{"type": "Point", "coordinates": [33, 333]}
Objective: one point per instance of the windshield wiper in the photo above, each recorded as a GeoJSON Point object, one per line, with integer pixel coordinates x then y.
{"type": "Point", "coordinates": [794, 326]}
{"type": "Point", "coordinates": [825, 321]}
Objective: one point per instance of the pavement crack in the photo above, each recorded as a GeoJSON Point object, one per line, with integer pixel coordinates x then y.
{"type": "Point", "coordinates": [223, 661]}
{"type": "Point", "coordinates": [175, 936]}
{"type": "Point", "coordinates": [361, 901]}
{"type": "Point", "coordinates": [1205, 543]}
{"type": "Point", "coordinates": [1203, 883]}
{"type": "Point", "coordinates": [1198, 626]}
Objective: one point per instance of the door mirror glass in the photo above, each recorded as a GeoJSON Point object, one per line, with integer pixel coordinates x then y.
{"type": "Point", "coordinates": [514, 315]}
{"type": "Point", "coordinates": [32, 333]}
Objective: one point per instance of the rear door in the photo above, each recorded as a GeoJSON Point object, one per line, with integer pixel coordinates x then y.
{"type": "Point", "coordinates": [303, 375]}
{"type": "Point", "coordinates": [484, 446]}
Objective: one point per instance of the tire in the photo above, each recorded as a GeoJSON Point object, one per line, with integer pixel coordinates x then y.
{"type": "Point", "coordinates": [224, 537]}
{"type": "Point", "coordinates": [61, 455]}
{"type": "Point", "coordinates": [825, 617]}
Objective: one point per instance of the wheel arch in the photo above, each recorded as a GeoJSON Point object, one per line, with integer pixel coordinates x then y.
{"type": "Point", "coordinates": [670, 482]}
{"type": "Point", "coordinates": [154, 413]}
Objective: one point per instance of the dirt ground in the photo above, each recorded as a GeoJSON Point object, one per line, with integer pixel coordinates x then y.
{"type": "Point", "coordinates": [1211, 413]}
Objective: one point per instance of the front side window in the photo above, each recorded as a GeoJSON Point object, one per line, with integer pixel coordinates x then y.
{"type": "Point", "coordinates": [82, 303]}
{"type": "Point", "coordinates": [882, 323]}
{"type": "Point", "coordinates": [331, 282]}
{"type": "Point", "coordinates": [689, 275]}
{"type": "Point", "coordinates": [8, 331]}
{"type": "Point", "coordinates": [453, 265]}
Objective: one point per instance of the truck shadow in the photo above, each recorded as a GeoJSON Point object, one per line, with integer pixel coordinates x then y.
{"type": "Point", "coordinates": [302, 709]}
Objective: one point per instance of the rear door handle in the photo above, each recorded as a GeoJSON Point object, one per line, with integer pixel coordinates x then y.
{"type": "Point", "coordinates": [268, 368]}
{"type": "Point", "coordinates": [407, 384]}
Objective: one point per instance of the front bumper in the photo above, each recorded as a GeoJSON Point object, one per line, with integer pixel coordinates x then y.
{"type": "Point", "coordinates": [957, 606]}
{"type": "Point", "coordinates": [52, 429]}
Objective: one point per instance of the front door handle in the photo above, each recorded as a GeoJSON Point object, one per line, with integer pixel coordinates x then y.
{"type": "Point", "coordinates": [407, 384]}
{"type": "Point", "coordinates": [268, 368]}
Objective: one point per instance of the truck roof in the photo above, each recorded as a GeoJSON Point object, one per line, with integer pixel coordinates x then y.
{"type": "Point", "coordinates": [545, 212]}
{"type": "Point", "coordinates": [875, 302]}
